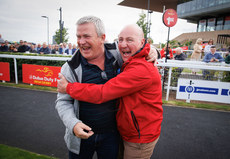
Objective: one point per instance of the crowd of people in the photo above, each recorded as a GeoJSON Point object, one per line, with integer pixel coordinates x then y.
{"type": "Point", "coordinates": [200, 53]}
{"type": "Point", "coordinates": [206, 53]}
{"type": "Point", "coordinates": [25, 47]}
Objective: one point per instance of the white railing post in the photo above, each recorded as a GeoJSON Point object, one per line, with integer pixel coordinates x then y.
{"type": "Point", "coordinates": [169, 83]}
{"type": "Point", "coordinates": [15, 71]}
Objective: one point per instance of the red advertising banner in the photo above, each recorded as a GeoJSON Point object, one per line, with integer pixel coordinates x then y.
{"type": "Point", "coordinates": [184, 47]}
{"type": "Point", "coordinates": [40, 75]}
{"type": "Point", "coordinates": [4, 71]}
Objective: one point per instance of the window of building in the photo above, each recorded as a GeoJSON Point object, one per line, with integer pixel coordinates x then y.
{"type": "Point", "coordinates": [205, 3]}
{"type": "Point", "coordinates": [211, 3]}
{"type": "Point", "coordinates": [227, 23]}
{"type": "Point", "coordinates": [198, 4]}
{"type": "Point", "coordinates": [226, 1]}
{"type": "Point", "coordinates": [202, 25]}
{"type": "Point", "coordinates": [183, 6]}
{"type": "Point", "coordinates": [219, 2]}
{"type": "Point", "coordinates": [188, 7]}
{"type": "Point", "coordinates": [219, 23]}
{"type": "Point", "coordinates": [193, 5]}
{"type": "Point", "coordinates": [211, 24]}
{"type": "Point", "coordinates": [178, 10]}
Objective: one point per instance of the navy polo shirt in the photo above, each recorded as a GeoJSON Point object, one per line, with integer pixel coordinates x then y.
{"type": "Point", "coordinates": [100, 117]}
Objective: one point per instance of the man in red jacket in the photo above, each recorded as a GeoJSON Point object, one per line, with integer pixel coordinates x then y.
{"type": "Point", "coordinates": [138, 90]}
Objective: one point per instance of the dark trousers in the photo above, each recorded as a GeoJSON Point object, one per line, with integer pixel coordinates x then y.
{"type": "Point", "coordinates": [106, 145]}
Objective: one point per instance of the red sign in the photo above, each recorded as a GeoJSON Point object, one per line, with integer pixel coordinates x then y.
{"type": "Point", "coordinates": [170, 17]}
{"type": "Point", "coordinates": [184, 47]}
{"type": "Point", "coordinates": [40, 75]}
{"type": "Point", "coordinates": [4, 71]}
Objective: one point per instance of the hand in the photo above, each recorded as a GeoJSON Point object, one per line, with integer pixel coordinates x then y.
{"type": "Point", "coordinates": [152, 55]}
{"type": "Point", "coordinates": [82, 131]}
{"type": "Point", "coordinates": [62, 84]}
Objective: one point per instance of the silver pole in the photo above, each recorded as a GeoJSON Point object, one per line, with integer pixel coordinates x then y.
{"type": "Point", "coordinates": [47, 28]}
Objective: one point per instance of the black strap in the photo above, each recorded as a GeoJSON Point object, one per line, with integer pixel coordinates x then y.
{"type": "Point", "coordinates": [136, 123]}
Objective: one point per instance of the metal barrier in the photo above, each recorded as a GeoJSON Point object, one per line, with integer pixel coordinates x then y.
{"type": "Point", "coordinates": [187, 64]}
{"type": "Point", "coordinates": [15, 57]}
{"type": "Point", "coordinates": [189, 52]}
{"type": "Point", "coordinates": [160, 63]}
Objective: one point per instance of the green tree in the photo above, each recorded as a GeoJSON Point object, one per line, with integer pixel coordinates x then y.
{"type": "Point", "coordinates": [163, 45]}
{"type": "Point", "coordinates": [173, 43]}
{"type": "Point", "coordinates": [64, 36]}
{"type": "Point", "coordinates": [143, 23]}
{"type": "Point", "coordinates": [188, 43]}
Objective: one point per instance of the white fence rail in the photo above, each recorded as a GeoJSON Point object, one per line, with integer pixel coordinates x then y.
{"type": "Point", "coordinates": [15, 57]}
{"type": "Point", "coordinates": [161, 63]}
{"type": "Point", "coordinates": [189, 52]}
{"type": "Point", "coordinates": [191, 65]}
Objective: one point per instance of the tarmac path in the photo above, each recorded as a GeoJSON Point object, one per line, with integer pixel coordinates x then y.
{"type": "Point", "coordinates": [28, 120]}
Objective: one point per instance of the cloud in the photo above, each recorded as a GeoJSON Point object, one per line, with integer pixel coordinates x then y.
{"type": "Point", "coordinates": [21, 19]}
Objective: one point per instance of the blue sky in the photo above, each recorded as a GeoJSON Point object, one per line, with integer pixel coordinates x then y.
{"type": "Point", "coordinates": [21, 19]}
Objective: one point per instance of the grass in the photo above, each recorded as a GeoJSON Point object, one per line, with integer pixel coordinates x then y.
{"type": "Point", "coordinates": [223, 107]}
{"type": "Point", "coordinates": [7, 152]}
{"type": "Point", "coordinates": [33, 87]}
{"type": "Point", "coordinates": [204, 105]}
{"type": "Point", "coordinates": [188, 70]}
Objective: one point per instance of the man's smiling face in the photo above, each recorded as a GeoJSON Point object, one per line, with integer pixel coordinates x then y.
{"type": "Point", "coordinates": [130, 40]}
{"type": "Point", "coordinates": [90, 44]}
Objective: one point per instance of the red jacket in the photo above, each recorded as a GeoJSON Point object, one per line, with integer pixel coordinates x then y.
{"type": "Point", "coordinates": [162, 52]}
{"type": "Point", "coordinates": [139, 91]}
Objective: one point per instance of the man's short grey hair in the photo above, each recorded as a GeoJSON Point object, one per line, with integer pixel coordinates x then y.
{"type": "Point", "coordinates": [99, 25]}
{"type": "Point", "coordinates": [179, 49]}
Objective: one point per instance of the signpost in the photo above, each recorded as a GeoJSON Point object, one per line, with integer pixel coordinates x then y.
{"type": "Point", "coordinates": [169, 20]}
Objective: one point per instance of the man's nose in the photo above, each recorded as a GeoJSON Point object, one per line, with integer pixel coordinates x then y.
{"type": "Point", "coordinates": [81, 40]}
{"type": "Point", "coordinates": [123, 44]}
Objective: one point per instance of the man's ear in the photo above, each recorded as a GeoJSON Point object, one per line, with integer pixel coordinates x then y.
{"type": "Point", "coordinates": [103, 37]}
{"type": "Point", "coordinates": [142, 42]}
